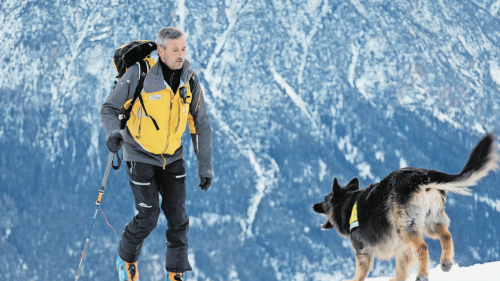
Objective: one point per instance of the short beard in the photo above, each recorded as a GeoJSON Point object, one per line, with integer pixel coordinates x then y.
{"type": "Point", "coordinates": [173, 64]}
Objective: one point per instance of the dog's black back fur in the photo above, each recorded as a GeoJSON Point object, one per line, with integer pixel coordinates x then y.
{"type": "Point", "coordinates": [394, 214]}
{"type": "Point", "coordinates": [401, 184]}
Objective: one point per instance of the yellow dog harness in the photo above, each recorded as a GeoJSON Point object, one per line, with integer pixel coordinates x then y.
{"type": "Point", "coordinates": [354, 217]}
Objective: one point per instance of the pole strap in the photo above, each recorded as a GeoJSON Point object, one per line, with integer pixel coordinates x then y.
{"type": "Point", "coordinates": [118, 160]}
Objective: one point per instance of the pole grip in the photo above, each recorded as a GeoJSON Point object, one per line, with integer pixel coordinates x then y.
{"type": "Point", "coordinates": [98, 202]}
{"type": "Point", "coordinates": [103, 184]}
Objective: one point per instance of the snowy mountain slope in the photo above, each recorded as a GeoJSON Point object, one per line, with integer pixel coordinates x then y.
{"type": "Point", "coordinates": [486, 272]}
{"type": "Point", "coordinates": [298, 92]}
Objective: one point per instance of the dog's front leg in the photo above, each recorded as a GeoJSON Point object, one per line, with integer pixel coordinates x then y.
{"type": "Point", "coordinates": [364, 258]}
{"type": "Point", "coordinates": [364, 264]}
{"type": "Point", "coordinates": [415, 240]}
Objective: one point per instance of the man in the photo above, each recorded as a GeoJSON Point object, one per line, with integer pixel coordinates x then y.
{"type": "Point", "coordinates": [153, 151]}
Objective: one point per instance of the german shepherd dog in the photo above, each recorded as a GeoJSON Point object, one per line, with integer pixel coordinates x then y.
{"type": "Point", "coordinates": [394, 214]}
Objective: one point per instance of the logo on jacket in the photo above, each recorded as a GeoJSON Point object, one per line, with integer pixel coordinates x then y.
{"type": "Point", "coordinates": [155, 97]}
{"type": "Point", "coordinates": [144, 205]}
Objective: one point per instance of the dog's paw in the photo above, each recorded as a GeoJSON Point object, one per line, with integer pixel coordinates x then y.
{"type": "Point", "coordinates": [446, 265]}
{"type": "Point", "coordinates": [422, 278]}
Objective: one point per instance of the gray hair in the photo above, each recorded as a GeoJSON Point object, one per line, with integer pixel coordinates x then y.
{"type": "Point", "coordinates": [168, 33]}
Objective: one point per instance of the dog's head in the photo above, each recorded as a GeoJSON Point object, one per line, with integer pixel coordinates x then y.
{"type": "Point", "coordinates": [333, 199]}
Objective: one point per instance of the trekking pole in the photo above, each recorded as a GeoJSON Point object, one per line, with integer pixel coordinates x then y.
{"type": "Point", "coordinates": [97, 203]}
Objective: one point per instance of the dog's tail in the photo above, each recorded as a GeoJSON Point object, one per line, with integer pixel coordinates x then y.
{"type": "Point", "coordinates": [484, 158]}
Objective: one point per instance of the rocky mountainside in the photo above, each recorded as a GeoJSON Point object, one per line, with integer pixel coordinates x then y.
{"type": "Point", "coordinates": [298, 92]}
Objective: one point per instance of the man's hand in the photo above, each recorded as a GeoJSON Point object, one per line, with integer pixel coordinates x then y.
{"type": "Point", "coordinates": [115, 142]}
{"type": "Point", "coordinates": [205, 183]}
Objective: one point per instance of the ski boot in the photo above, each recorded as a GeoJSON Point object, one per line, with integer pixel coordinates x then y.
{"type": "Point", "coordinates": [127, 271]}
{"type": "Point", "coordinates": [174, 276]}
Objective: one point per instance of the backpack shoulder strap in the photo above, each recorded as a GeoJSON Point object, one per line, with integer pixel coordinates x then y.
{"type": "Point", "coordinates": [143, 71]}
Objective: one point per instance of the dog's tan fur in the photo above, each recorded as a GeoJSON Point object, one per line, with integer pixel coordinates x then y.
{"type": "Point", "coordinates": [405, 244]}
{"type": "Point", "coordinates": [406, 214]}
{"type": "Point", "coordinates": [409, 247]}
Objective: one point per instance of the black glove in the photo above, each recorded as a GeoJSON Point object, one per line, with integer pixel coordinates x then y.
{"type": "Point", "coordinates": [205, 183]}
{"type": "Point", "coordinates": [114, 142]}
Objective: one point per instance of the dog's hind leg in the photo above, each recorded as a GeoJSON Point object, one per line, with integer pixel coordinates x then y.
{"type": "Point", "coordinates": [448, 249]}
{"type": "Point", "coordinates": [441, 231]}
{"type": "Point", "coordinates": [436, 226]}
{"type": "Point", "coordinates": [404, 262]}
{"type": "Point", "coordinates": [415, 240]}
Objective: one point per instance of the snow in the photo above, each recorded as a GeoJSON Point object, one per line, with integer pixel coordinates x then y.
{"type": "Point", "coordinates": [322, 170]}
{"type": "Point", "coordinates": [100, 37]}
{"type": "Point", "coordinates": [495, 204]}
{"type": "Point", "coordinates": [182, 11]}
{"type": "Point", "coordinates": [261, 185]}
{"type": "Point", "coordinates": [352, 67]}
{"type": "Point", "coordinates": [291, 93]}
{"type": "Point", "coordinates": [494, 8]}
{"type": "Point", "coordinates": [307, 40]}
{"type": "Point", "coordinates": [479, 128]}
{"type": "Point", "coordinates": [266, 67]}
{"type": "Point", "coordinates": [495, 72]}
{"type": "Point", "coordinates": [364, 170]}
{"type": "Point", "coordinates": [402, 163]}
{"type": "Point", "coordinates": [483, 272]}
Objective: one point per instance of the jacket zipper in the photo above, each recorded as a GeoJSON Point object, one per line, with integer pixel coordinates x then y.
{"type": "Point", "coordinates": [178, 118]}
{"type": "Point", "coordinates": [140, 123]}
{"type": "Point", "coordinates": [168, 134]}
{"type": "Point", "coordinates": [164, 161]}
{"type": "Point", "coordinates": [176, 127]}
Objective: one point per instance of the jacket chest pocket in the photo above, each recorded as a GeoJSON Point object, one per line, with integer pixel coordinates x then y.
{"type": "Point", "coordinates": [149, 120]}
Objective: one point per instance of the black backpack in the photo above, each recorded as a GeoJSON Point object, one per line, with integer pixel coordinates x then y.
{"type": "Point", "coordinates": [130, 54]}
{"type": "Point", "coordinates": [136, 52]}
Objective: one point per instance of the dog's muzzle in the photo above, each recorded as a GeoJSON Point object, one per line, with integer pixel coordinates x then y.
{"type": "Point", "coordinates": [319, 209]}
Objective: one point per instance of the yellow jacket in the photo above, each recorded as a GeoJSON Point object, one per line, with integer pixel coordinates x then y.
{"type": "Point", "coordinates": [170, 112]}
{"type": "Point", "coordinates": [161, 145]}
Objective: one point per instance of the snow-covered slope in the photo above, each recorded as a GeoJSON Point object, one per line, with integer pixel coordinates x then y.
{"type": "Point", "coordinates": [484, 272]}
{"type": "Point", "coordinates": [298, 92]}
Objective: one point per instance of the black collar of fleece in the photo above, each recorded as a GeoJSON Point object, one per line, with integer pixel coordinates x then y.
{"type": "Point", "coordinates": [172, 77]}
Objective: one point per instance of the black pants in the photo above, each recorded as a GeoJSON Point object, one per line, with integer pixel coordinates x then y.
{"type": "Point", "coordinates": [147, 181]}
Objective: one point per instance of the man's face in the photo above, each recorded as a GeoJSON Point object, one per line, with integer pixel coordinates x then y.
{"type": "Point", "coordinates": [175, 52]}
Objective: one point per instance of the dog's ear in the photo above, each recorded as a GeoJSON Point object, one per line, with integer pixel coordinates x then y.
{"type": "Point", "coordinates": [336, 186]}
{"type": "Point", "coordinates": [353, 185]}
{"type": "Point", "coordinates": [327, 225]}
